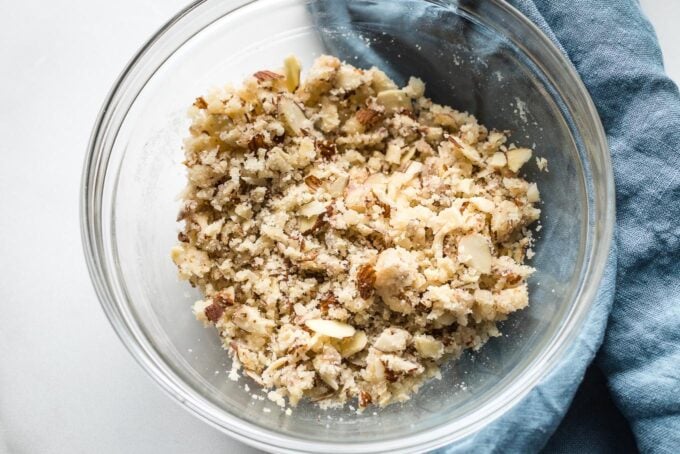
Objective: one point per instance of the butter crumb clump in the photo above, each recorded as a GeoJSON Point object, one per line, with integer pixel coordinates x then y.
{"type": "Point", "coordinates": [349, 235]}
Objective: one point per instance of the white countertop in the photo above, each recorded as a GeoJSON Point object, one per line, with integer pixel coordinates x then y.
{"type": "Point", "coordinates": [67, 385]}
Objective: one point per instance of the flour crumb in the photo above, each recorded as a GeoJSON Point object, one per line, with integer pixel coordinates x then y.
{"type": "Point", "coordinates": [542, 164]}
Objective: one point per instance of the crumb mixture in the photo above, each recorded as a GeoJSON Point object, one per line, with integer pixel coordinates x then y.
{"type": "Point", "coordinates": [349, 235]}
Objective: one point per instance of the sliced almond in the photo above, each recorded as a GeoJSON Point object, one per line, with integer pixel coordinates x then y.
{"type": "Point", "coordinates": [517, 158]}
{"type": "Point", "coordinates": [376, 179]}
{"type": "Point", "coordinates": [393, 152]}
{"type": "Point", "coordinates": [273, 367]}
{"type": "Point", "coordinates": [337, 187]}
{"type": "Point", "coordinates": [468, 151]}
{"type": "Point", "coordinates": [465, 185]}
{"type": "Point", "coordinates": [482, 204]}
{"type": "Point", "coordinates": [428, 346]}
{"type": "Point", "coordinates": [352, 345]}
{"type": "Point", "coordinates": [473, 250]}
{"type": "Point", "coordinates": [291, 69]}
{"type": "Point", "coordinates": [394, 101]}
{"type": "Point", "coordinates": [392, 340]}
{"type": "Point", "coordinates": [348, 78]}
{"type": "Point", "coordinates": [267, 75]}
{"type": "Point", "coordinates": [306, 224]}
{"type": "Point", "coordinates": [312, 208]}
{"type": "Point", "coordinates": [497, 160]}
{"type": "Point", "coordinates": [533, 195]}
{"type": "Point", "coordinates": [316, 342]}
{"type": "Point", "coordinates": [413, 169]}
{"type": "Point", "coordinates": [291, 114]}
{"type": "Point", "coordinates": [249, 319]}
{"type": "Point", "coordinates": [355, 197]}
{"type": "Point", "coordinates": [330, 328]}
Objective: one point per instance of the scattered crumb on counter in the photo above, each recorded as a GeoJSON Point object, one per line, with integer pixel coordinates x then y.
{"type": "Point", "coordinates": [542, 164]}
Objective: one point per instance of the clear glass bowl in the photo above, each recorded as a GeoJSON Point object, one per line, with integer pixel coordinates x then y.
{"type": "Point", "coordinates": [480, 56]}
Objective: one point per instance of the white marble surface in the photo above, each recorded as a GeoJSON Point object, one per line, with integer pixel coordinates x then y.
{"type": "Point", "coordinates": [67, 385]}
{"type": "Point", "coordinates": [664, 15]}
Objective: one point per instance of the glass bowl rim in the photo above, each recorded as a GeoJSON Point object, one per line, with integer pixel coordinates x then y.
{"type": "Point", "coordinates": [98, 153]}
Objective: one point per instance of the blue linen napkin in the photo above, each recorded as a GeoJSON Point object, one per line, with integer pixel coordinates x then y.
{"type": "Point", "coordinates": [634, 327]}
{"type": "Point", "coordinates": [614, 49]}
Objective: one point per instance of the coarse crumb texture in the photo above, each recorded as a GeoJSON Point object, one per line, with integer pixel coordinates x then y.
{"type": "Point", "coordinates": [349, 235]}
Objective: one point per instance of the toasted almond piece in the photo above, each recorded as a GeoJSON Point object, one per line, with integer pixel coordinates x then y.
{"type": "Point", "coordinates": [368, 117]}
{"type": "Point", "coordinates": [433, 134]}
{"type": "Point", "coordinates": [214, 312]}
{"type": "Point", "coordinates": [413, 169]}
{"type": "Point", "coordinates": [273, 367]}
{"type": "Point", "coordinates": [482, 204]}
{"type": "Point", "coordinates": [267, 75]}
{"type": "Point", "coordinates": [400, 365]}
{"type": "Point", "coordinates": [306, 224]}
{"type": "Point", "coordinates": [428, 346]}
{"type": "Point", "coordinates": [393, 152]}
{"type": "Point", "coordinates": [355, 197]}
{"type": "Point", "coordinates": [352, 126]}
{"type": "Point", "coordinates": [473, 250]}
{"type": "Point", "coordinates": [326, 148]}
{"type": "Point", "coordinates": [316, 342]}
{"type": "Point", "coordinates": [292, 115]}
{"type": "Point", "coordinates": [249, 319]}
{"type": "Point", "coordinates": [410, 152]}
{"type": "Point", "coordinates": [415, 88]}
{"type": "Point", "coordinates": [392, 340]}
{"type": "Point", "coordinates": [517, 158]}
{"type": "Point", "coordinates": [257, 142]}
{"type": "Point", "coordinates": [348, 78]}
{"type": "Point", "coordinates": [366, 280]}
{"type": "Point", "coordinates": [375, 369]}
{"type": "Point", "coordinates": [542, 164]}
{"type": "Point", "coordinates": [176, 254]}
{"type": "Point", "coordinates": [376, 179]}
{"type": "Point", "coordinates": [465, 185]}
{"type": "Point", "coordinates": [468, 151]}
{"type": "Point", "coordinates": [381, 81]}
{"type": "Point", "coordinates": [352, 345]}
{"type": "Point", "coordinates": [291, 69]}
{"type": "Point", "coordinates": [199, 310]}
{"type": "Point", "coordinates": [330, 328]}
{"type": "Point", "coordinates": [200, 103]}
{"type": "Point", "coordinates": [312, 208]}
{"type": "Point", "coordinates": [313, 182]}
{"type": "Point", "coordinates": [365, 399]}
{"type": "Point", "coordinates": [497, 160]}
{"type": "Point", "coordinates": [337, 187]}
{"type": "Point", "coordinates": [533, 195]}
{"type": "Point", "coordinates": [394, 101]}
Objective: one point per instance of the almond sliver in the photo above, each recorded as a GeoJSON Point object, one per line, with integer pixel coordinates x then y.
{"type": "Point", "coordinates": [473, 250]}
{"type": "Point", "coordinates": [354, 344]}
{"type": "Point", "coordinates": [330, 328]}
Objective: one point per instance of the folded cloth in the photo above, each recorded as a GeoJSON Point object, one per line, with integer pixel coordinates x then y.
{"type": "Point", "coordinates": [614, 49]}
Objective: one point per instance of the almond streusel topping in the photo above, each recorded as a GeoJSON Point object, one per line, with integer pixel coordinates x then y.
{"type": "Point", "coordinates": [349, 235]}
